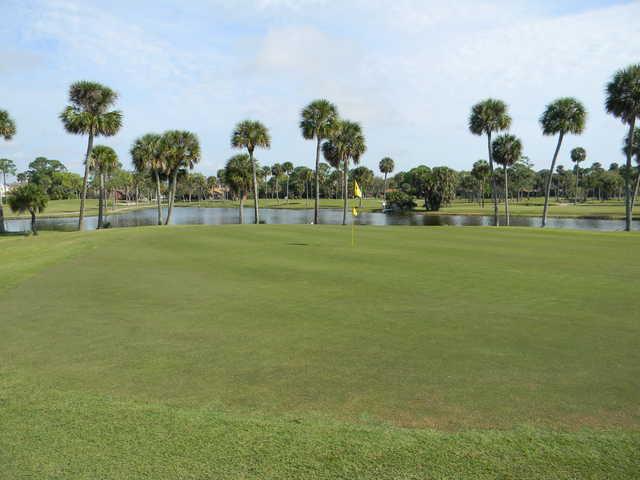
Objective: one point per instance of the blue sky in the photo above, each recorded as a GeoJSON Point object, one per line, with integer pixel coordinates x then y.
{"type": "Point", "coordinates": [408, 70]}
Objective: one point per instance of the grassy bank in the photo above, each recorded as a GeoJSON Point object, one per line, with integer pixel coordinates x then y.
{"type": "Point", "coordinates": [71, 208]}
{"type": "Point", "coordinates": [281, 351]}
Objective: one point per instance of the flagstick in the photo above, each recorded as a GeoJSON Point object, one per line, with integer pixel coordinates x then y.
{"type": "Point", "coordinates": [353, 232]}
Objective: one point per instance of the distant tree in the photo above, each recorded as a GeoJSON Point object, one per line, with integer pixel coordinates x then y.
{"type": "Point", "coordinates": [563, 116]}
{"type": "Point", "coordinates": [487, 117]}
{"type": "Point", "coordinates": [364, 176]}
{"type": "Point", "coordinates": [7, 167]}
{"type": "Point", "coordinates": [102, 161]}
{"type": "Point", "coordinates": [635, 152]}
{"type": "Point", "coordinates": [28, 198]}
{"type": "Point", "coordinates": [238, 177]}
{"type": "Point", "coordinates": [623, 102]}
{"type": "Point", "coordinates": [578, 155]}
{"type": "Point", "coordinates": [386, 166]}
{"type": "Point", "coordinates": [276, 172]}
{"type": "Point", "coordinates": [319, 118]}
{"type": "Point", "coordinates": [481, 172]}
{"type": "Point", "coordinates": [180, 152]}
{"type": "Point", "coordinates": [507, 150]}
{"type": "Point", "coordinates": [89, 114]}
{"type": "Point", "coordinates": [440, 188]}
{"type": "Point", "coordinates": [147, 156]}
{"type": "Point", "coordinates": [306, 175]}
{"type": "Point", "coordinates": [7, 131]}
{"type": "Point", "coordinates": [400, 201]}
{"type": "Point", "coordinates": [251, 134]}
{"type": "Point", "coordinates": [346, 143]}
{"type": "Point", "coordinates": [287, 167]}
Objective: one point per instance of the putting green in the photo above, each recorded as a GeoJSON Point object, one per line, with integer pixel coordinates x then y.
{"type": "Point", "coordinates": [417, 348]}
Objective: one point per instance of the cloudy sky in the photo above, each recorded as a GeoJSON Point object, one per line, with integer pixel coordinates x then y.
{"type": "Point", "coordinates": [408, 70]}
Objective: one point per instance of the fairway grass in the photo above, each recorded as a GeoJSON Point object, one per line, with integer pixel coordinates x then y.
{"type": "Point", "coordinates": [284, 352]}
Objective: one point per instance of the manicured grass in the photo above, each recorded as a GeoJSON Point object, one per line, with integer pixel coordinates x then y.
{"type": "Point", "coordinates": [283, 352]}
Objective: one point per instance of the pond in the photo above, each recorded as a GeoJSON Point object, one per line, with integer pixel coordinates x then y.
{"type": "Point", "coordinates": [219, 216]}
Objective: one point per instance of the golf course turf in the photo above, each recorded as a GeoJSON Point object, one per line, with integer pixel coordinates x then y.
{"type": "Point", "coordinates": [284, 352]}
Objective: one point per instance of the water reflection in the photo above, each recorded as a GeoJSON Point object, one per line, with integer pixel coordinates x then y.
{"type": "Point", "coordinates": [219, 216]}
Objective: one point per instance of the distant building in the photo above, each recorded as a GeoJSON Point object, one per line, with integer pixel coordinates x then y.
{"type": "Point", "coordinates": [5, 191]}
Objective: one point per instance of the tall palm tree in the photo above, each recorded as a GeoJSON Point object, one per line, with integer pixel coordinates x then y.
{"type": "Point", "coordinates": [386, 166]}
{"type": "Point", "coordinates": [318, 120]}
{"type": "Point", "coordinates": [506, 150]}
{"type": "Point", "coordinates": [487, 117]}
{"type": "Point", "coordinates": [89, 114]}
{"type": "Point", "coordinates": [287, 167]}
{"type": "Point", "coordinates": [7, 131]}
{"type": "Point", "coordinates": [7, 167]}
{"type": "Point", "coordinates": [147, 156]}
{"type": "Point", "coordinates": [238, 174]}
{"type": "Point", "coordinates": [346, 143]}
{"type": "Point", "coordinates": [28, 198]}
{"type": "Point", "coordinates": [623, 102]}
{"type": "Point", "coordinates": [180, 151]}
{"type": "Point", "coordinates": [251, 134]}
{"type": "Point", "coordinates": [578, 155]}
{"type": "Point", "coordinates": [276, 171]}
{"type": "Point", "coordinates": [102, 161]}
{"type": "Point", "coordinates": [562, 116]}
{"type": "Point", "coordinates": [480, 172]}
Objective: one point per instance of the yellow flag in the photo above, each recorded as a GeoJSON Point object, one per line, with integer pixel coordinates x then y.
{"type": "Point", "coordinates": [356, 190]}
{"type": "Point", "coordinates": [354, 212]}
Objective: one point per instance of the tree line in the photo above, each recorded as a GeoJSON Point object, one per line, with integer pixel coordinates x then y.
{"type": "Point", "coordinates": [164, 161]}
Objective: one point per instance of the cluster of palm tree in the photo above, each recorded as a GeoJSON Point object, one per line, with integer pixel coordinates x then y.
{"type": "Point", "coordinates": [166, 156]}
{"type": "Point", "coordinates": [561, 117]}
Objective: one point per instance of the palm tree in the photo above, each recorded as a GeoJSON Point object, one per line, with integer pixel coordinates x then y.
{"type": "Point", "coordinates": [318, 120]}
{"type": "Point", "coordinates": [7, 131]}
{"type": "Point", "coordinates": [28, 198]}
{"type": "Point", "coordinates": [276, 171]}
{"type": "Point", "coordinates": [180, 151]}
{"type": "Point", "coordinates": [147, 157]}
{"type": "Point", "coordinates": [386, 166]}
{"type": "Point", "coordinates": [251, 134]}
{"type": "Point", "coordinates": [487, 117]}
{"type": "Point", "coordinates": [238, 177]}
{"type": "Point", "coordinates": [623, 102]}
{"type": "Point", "coordinates": [480, 172]}
{"type": "Point", "coordinates": [345, 143]}
{"type": "Point", "coordinates": [103, 161]}
{"type": "Point", "coordinates": [578, 155]}
{"type": "Point", "coordinates": [287, 167]}
{"type": "Point", "coordinates": [506, 150]}
{"type": "Point", "coordinates": [564, 115]}
{"type": "Point", "coordinates": [88, 114]}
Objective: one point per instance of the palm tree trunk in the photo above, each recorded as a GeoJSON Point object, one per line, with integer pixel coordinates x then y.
{"type": "Point", "coordinates": [384, 194]}
{"type": "Point", "coordinates": [158, 200]}
{"type": "Point", "coordinates": [85, 180]}
{"type": "Point", "coordinates": [575, 200]}
{"type": "Point", "coordinates": [635, 190]}
{"type": "Point", "coordinates": [547, 189]}
{"type": "Point", "coordinates": [101, 202]}
{"type": "Point", "coordinates": [316, 206]}
{"type": "Point", "coordinates": [344, 193]}
{"type": "Point", "coordinates": [4, 192]}
{"type": "Point", "coordinates": [34, 229]}
{"type": "Point", "coordinates": [255, 189]}
{"type": "Point", "coordinates": [627, 179]}
{"type": "Point", "coordinates": [506, 194]}
{"type": "Point", "coordinates": [241, 208]}
{"type": "Point", "coordinates": [287, 188]}
{"type": "Point", "coordinates": [494, 191]}
{"type": "Point", "coordinates": [172, 195]}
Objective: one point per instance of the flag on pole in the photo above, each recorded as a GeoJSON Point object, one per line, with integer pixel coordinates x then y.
{"type": "Point", "coordinates": [356, 190]}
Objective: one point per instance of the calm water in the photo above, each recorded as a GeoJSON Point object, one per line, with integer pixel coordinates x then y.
{"type": "Point", "coordinates": [218, 216]}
